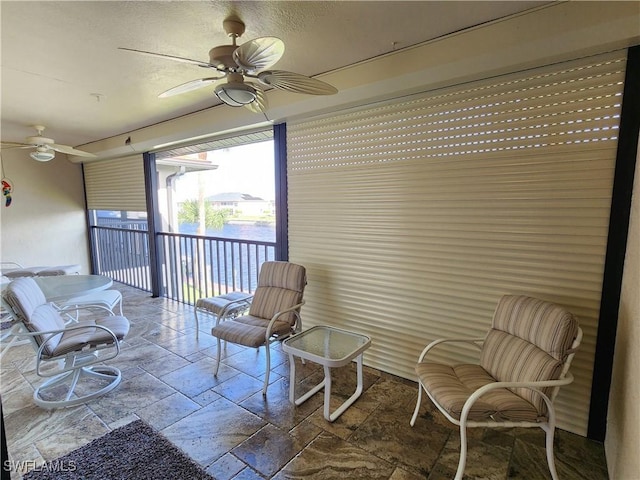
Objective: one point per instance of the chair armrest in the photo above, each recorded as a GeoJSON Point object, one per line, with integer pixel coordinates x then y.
{"type": "Point", "coordinates": [477, 342]}
{"type": "Point", "coordinates": [279, 314]}
{"type": "Point", "coordinates": [233, 304]}
{"type": "Point", "coordinates": [533, 385]}
{"type": "Point", "coordinates": [53, 333]}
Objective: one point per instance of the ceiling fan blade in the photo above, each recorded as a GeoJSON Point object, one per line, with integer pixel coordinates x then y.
{"type": "Point", "coordinates": [69, 150]}
{"type": "Point", "coordinates": [259, 53]}
{"type": "Point", "coordinates": [189, 86]}
{"type": "Point", "coordinates": [259, 105]}
{"type": "Point", "coordinates": [199, 63]}
{"type": "Point", "coordinates": [295, 82]}
{"type": "Point", "coordinates": [15, 145]}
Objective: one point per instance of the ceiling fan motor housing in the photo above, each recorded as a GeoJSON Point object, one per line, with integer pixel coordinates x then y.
{"type": "Point", "coordinates": [37, 140]}
{"type": "Point", "coordinates": [222, 56]}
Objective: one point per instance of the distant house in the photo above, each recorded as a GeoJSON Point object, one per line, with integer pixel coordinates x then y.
{"type": "Point", "coordinates": [241, 204]}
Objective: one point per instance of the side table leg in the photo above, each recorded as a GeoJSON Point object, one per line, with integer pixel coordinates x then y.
{"type": "Point", "coordinates": [327, 393]}
{"type": "Point", "coordinates": [340, 410]}
{"type": "Point", "coordinates": [292, 379]}
{"type": "Point", "coordinates": [292, 385]}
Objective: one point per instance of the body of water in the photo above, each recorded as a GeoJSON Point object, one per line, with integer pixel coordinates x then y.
{"type": "Point", "coordinates": [261, 233]}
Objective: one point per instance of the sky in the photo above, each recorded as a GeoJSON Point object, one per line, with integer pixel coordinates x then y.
{"type": "Point", "coordinates": [245, 169]}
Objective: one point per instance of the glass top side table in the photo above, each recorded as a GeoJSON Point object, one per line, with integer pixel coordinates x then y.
{"type": "Point", "coordinates": [330, 347]}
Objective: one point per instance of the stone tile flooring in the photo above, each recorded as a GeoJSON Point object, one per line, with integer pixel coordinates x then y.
{"type": "Point", "coordinates": [229, 428]}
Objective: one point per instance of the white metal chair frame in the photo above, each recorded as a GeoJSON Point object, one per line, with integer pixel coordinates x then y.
{"type": "Point", "coordinates": [549, 426]}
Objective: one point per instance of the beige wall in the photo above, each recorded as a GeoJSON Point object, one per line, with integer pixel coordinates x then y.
{"type": "Point", "coordinates": [45, 224]}
{"type": "Point", "coordinates": [623, 420]}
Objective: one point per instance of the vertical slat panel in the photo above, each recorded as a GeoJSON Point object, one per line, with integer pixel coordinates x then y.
{"type": "Point", "coordinates": [413, 217]}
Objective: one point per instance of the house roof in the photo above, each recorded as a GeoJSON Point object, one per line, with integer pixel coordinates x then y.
{"type": "Point", "coordinates": [233, 197]}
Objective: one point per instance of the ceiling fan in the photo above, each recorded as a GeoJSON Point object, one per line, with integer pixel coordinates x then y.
{"type": "Point", "coordinates": [234, 63]}
{"type": "Point", "coordinates": [45, 147]}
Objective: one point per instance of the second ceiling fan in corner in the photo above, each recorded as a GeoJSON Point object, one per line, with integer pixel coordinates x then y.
{"type": "Point", "coordinates": [250, 60]}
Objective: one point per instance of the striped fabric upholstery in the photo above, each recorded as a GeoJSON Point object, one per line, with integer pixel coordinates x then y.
{"type": "Point", "coordinates": [76, 338]}
{"type": "Point", "coordinates": [45, 318]}
{"type": "Point", "coordinates": [529, 341]}
{"type": "Point", "coordinates": [452, 386]}
{"type": "Point", "coordinates": [24, 295]}
{"type": "Point", "coordinates": [280, 286]}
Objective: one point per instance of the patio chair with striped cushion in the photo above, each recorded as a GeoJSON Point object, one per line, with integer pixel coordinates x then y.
{"type": "Point", "coordinates": [274, 313]}
{"type": "Point", "coordinates": [66, 354]}
{"type": "Point", "coordinates": [524, 359]}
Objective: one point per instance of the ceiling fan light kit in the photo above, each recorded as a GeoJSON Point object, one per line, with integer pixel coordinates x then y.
{"type": "Point", "coordinates": [247, 60]}
{"type": "Point", "coordinates": [235, 92]}
{"type": "Point", "coordinates": [42, 154]}
{"type": "Point", "coordinates": [235, 95]}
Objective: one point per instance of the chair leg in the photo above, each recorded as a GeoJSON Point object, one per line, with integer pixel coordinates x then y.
{"type": "Point", "coordinates": [550, 431]}
{"type": "Point", "coordinates": [195, 314]}
{"type": "Point", "coordinates": [417, 409]}
{"type": "Point", "coordinates": [215, 372]}
{"type": "Point", "coordinates": [463, 453]}
{"type": "Point", "coordinates": [266, 375]}
{"type": "Point", "coordinates": [111, 374]}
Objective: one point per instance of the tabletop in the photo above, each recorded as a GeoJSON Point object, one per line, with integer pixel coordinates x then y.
{"type": "Point", "coordinates": [60, 287]}
{"type": "Point", "coordinates": [327, 345]}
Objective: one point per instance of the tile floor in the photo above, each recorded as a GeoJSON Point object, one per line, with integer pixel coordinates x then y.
{"type": "Point", "coordinates": [229, 428]}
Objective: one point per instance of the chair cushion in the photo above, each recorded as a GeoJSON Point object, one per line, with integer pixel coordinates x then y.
{"type": "Point", "coordinates": [248, 330]}
{"type": "Point", "coordinates": [46, 318]}
{"type": "Point", "coordinates": [529, 341]}
{"type": "Point", "coordinates": [546, 325]}
{"type": "Point", "coordinates": [59, 270]}
{"type": "Point", "coordinates": [278, 327]}
{"type": "Point", "coordinates": [283, 275]}
{"type": "Point", "coordinates": [83, 334]}
{"type": "Point", "coordinates": [451, 386]}
{"type": "Point", "coordinates": [216, 305]}
{"type": "Point", "coordinates": [268, 301]}
{"type": "Point", "coordinates": [24, 295]}
{"type": "Point", "coordinates": [109, 298]}
{"type": "Point", "coordinates": [240, 333]}
{"type": "Point", "coordinates": [280, 286]}
{"type": "Point", "coordinates": [23, 272]}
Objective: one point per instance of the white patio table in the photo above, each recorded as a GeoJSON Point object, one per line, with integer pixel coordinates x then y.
{"type": "Point", "coordinates": [330, 347]}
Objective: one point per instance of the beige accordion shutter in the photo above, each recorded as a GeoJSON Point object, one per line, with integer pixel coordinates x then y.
{"type": "Point", "coordinates": [116, 184]}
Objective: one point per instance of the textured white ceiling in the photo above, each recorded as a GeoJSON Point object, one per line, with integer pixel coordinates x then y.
{"type": "Point", "coordinates": [57, 55]}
